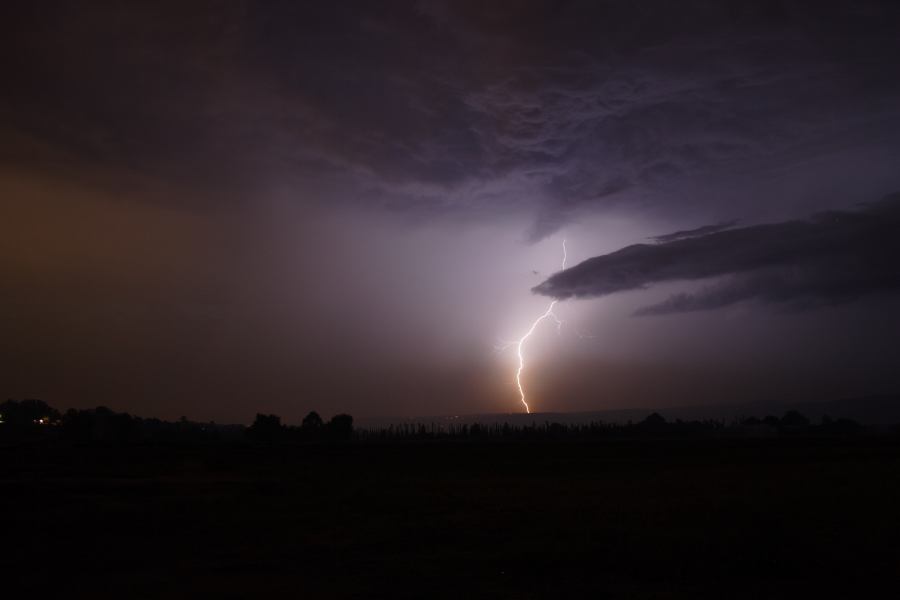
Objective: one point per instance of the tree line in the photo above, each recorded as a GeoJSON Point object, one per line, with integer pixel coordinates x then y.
{"type": "Point", "coordinates": [653, 426]}
{"type": "Point", "coordinates": [268, 428]}
{"type": "Point", "coordinates": [35, 420]}
{"type": "Point", "coordinates": [32, 419]}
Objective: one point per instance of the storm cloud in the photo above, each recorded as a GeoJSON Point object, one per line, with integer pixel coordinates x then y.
{"type": "Point", "coordinates": [689, 233]}
{"type": "Point", "coordinates": [432, 109]}
{"type": "Point", "coordinates": [832, 257]}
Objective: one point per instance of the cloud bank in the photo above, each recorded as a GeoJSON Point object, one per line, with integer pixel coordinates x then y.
{"type": "Point", "coordinates": [832, 257]}
{"type": "Point", "coordinates": [689, 233]}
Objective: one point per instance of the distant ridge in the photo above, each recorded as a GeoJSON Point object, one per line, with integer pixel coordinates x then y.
{"type": "Point", "coordinates": [867, 410]}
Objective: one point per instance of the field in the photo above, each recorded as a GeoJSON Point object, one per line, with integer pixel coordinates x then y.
{"type": "Point", "coordinates": [633, 519]}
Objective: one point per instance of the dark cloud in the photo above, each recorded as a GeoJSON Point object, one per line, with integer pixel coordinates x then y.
{"type": "Point", "coordinates": [436, 108]}
{"type": "Point", "coordinates": [689, 233]}
{"type": "Point", "coordinates": [832, 257]}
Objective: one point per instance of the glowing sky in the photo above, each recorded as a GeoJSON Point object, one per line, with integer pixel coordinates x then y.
{"type": "Point", "coordinates": [239, 207]}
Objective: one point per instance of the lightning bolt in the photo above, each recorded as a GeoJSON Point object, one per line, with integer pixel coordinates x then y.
{"type": "Point", "coordinates": [520, 345]}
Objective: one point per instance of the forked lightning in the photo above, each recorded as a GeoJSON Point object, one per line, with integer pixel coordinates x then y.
{"type": "Point", "coordinates": [548, 314]}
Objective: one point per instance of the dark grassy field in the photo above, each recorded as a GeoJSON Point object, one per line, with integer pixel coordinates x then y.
{"type": "Point", "coordinates": [641, 519]}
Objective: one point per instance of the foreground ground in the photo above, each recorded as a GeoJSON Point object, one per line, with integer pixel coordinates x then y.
{"type": "Point", "coordinates": [641, 519]}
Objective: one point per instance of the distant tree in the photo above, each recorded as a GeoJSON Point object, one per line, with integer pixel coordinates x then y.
{"type": "Point", "coordinates": [654, 423]}
{"type": "Point", "coordinates": [556, 431]}
{"type": "Point", "coordinates": [27, 414]}
{"type": "Point", "coordinates": [839, 426]}
{"type": "Point", "coordinates": [340, 427]}
{"type": "Point", "coordinates": [110, 426]}
{"type": "Point", "coordinates": [101, 425]}
{"type": "Point", "coordinates": [792, 419]}
{"type": "Point", "coordinates": [77, 425]}
{"type": "Point", "coordinates": [771, 421]}
{"type": "Point", "coordinates": [266, 428]}
{"type": "Point", "coordinates": [311, 427]}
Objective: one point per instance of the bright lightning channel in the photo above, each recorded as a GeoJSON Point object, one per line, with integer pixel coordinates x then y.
{"type": "Point", "coordinates": [548, 314]}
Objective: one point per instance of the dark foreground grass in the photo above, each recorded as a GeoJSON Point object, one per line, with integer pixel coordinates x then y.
{"type": "Point", "coordinates": [643, 519]}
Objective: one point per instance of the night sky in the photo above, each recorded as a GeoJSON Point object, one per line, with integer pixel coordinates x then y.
{"type": "Point", "coordinates": [215, 209]}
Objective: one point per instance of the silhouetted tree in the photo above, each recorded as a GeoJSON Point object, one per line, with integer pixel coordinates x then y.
{"type": "Point", "coordinates": [839, 426]}
{"type": "Point", "coordinates": [340, 427]}
{"type": "Point", "coordinates": [101, 425]}
{"type": "Point", "coordinates": [27, 414]}
{"type": "Point", "coordinates": [266, 428]}
{"type": "Point", "coordinates": [771, 421]}
{"type": "Point", "coordinates": [654, 423]}
{"type": "Point", "coordinates": [311, 426]}
{"type": "Point", "coordinates": [312, 421]}
{"type": "Point", "coordinates": [77, 425]}
{"type": "Point", "coordinates": [794, 420]}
